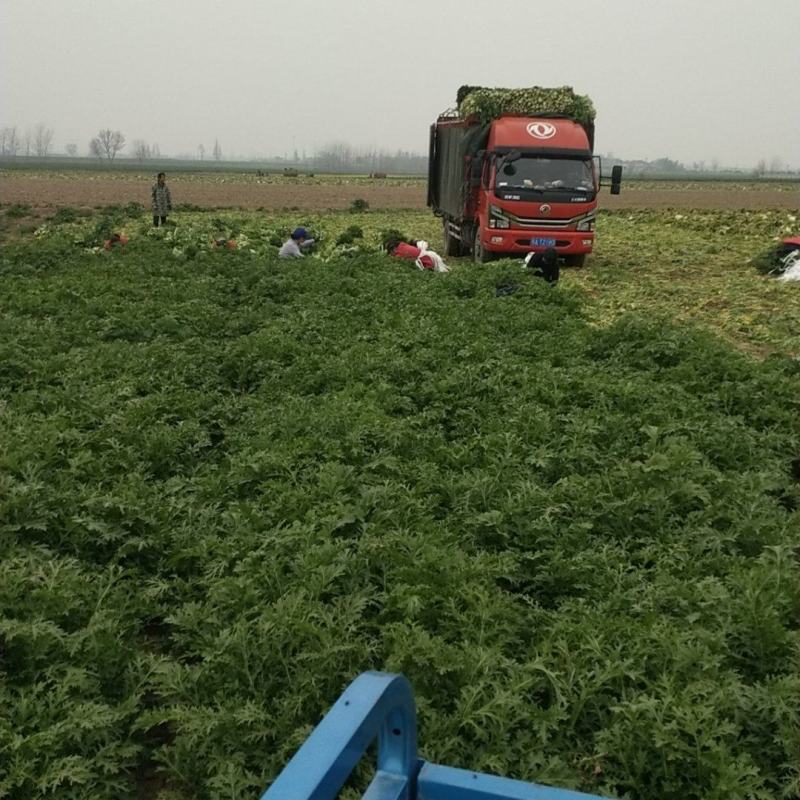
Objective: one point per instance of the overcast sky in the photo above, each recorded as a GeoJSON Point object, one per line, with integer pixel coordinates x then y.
{"type": "Point", "coordinates": [689, 79]}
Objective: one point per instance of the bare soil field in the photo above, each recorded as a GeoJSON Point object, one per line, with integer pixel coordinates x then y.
{"type": "Point", "coordinates": [82, 190]}
{"type": "Point", "coordinates": [53, 192]}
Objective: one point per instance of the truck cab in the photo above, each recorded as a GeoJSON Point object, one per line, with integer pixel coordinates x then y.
{"type": "Point", "coordinates": [538, 189]}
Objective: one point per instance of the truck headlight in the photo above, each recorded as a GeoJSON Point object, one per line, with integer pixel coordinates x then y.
{"type": "Point", "coordinates": [586, 224]}
{"type": "Point", "coordinates": [497, 219]}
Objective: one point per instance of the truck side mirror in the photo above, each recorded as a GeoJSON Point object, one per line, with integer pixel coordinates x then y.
{"type": "Point", "coordinates": [616, 179]}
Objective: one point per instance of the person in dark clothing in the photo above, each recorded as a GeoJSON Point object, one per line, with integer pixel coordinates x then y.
{"type": "Point", "coordinates": [162, 200]}
{"type": "Point", "coordinates": [544, 265]}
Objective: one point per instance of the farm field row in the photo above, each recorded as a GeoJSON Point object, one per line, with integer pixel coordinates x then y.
{"type": "Point", "coordinates": [690, 265]}
{"type": "Point", "coordinates": [229, 483]}
{"type": "Point", "coordinates": [234, 190]}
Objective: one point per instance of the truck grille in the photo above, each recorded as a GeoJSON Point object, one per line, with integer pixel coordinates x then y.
{"type": "Point", "coordinates": [543, 222]}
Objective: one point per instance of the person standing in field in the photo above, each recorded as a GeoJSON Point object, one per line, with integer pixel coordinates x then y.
{"type": "Point", "coordinates": [162, 200]}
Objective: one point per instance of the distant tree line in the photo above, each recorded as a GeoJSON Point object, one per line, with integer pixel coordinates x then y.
{"type": "Point", "coordinates": [342, 157]}
{"type": "Point", "coordinates": [669, 166]}
{"type": "Point", "coordinates": [106, 145]}
{"type": "Point", "coordinates": [36, 141]}
{"type": "Point", "coordinates": [333, 157]}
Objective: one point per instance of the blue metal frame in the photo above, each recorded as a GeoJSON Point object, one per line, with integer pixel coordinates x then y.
{"type": "Point", "coordinates": [374, 705]}
{"type": "Point", "coordinates": [380, 705]}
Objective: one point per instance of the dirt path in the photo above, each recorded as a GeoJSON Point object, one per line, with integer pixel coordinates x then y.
{"type": "Point", "coordinates": [52, 191]}
{"type": "Point", "coordinates": [269, 196]}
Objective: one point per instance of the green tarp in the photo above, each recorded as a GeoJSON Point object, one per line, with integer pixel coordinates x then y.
{"type": "Point", "coordinates": [447, 182]}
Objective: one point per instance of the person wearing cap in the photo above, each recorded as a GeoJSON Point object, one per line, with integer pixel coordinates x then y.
{"type": "Point", "coordinates": [292, 247]}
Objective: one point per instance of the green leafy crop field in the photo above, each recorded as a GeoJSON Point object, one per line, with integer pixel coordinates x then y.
{"type": "Point", "coordinates": [229, 484]}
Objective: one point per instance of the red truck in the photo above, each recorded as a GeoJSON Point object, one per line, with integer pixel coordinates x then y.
{"type": "Point", "coordinates": [516, 184]}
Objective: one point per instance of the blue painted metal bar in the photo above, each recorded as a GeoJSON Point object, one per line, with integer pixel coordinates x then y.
{"type": "Point", "coordinates": [448, 783]}
{"type": "Point", "coordinates": [388, 787]}
{"type": "Point", "coordinates": [374, 705]}
{"type": "Point", "coordinates": [380, 705]}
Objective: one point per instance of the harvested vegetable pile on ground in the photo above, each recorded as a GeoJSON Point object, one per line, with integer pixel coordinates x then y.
{"type": "Point", "coordinates": [488, 104]}
{"type": "Point", "coordinates": [774, 261]}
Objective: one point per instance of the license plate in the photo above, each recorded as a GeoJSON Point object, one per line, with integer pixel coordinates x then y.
{"type": "Point", "coordinates": [542, 242]}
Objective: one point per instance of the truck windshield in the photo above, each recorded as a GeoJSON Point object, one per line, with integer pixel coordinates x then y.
{"type": "Point", "coordinates": [546, 174]}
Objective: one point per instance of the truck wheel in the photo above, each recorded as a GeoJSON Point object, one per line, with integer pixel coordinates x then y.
{"type": "Point", "coordinates": [480, 255]}
{"type": "Point", "coordinates": [575, 260]}
{"type": "Point", "coordinates": [452, 246]}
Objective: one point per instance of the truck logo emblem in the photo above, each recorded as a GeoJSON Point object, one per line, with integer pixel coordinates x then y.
{"type": "Point", "coordinates": [542, 130]}
{"type": "Point", "coordinates": [544, 209]}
